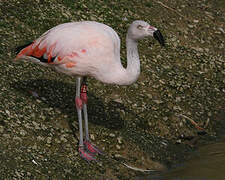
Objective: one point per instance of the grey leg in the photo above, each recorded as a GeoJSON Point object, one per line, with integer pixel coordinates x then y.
{"type": "Point", "coordinates": [84, 100]}
{"type": "Point", "coordinates": [86, 121]}
{"type": "Point", "coordinates": [79, 108]}
{"type": "Point", "coordinates": [91, 148]}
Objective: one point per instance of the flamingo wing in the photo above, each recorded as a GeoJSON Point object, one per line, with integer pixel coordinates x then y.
{"type": "Point", "coordinates": [54, 45]}
{"type": "Point", "coordinates": [90, 47]}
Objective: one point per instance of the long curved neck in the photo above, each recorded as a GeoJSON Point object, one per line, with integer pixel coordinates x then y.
{"type": "Point", "coordinates": [133, 62]}
{"type": "Point", "coordinates": [117, 74]}
{"type": "Point", "coordinates": [128, 75]}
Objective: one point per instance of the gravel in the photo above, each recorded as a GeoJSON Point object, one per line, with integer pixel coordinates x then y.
{"type": "Point", "coordinates": [38, 123]}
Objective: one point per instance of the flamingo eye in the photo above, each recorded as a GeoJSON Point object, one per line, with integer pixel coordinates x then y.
{"type": "Point", "coordinates": [140, 27]}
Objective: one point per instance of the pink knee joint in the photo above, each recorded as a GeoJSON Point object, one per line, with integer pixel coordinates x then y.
{"type": "Point", "coordinates": [79, 103]}
{"type": "Point", "coordinates": [83, 94]}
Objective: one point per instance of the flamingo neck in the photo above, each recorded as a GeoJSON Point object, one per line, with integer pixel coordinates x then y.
{"type": "Point", "coordinates": [133, 62]}
{"type": "Point", "coordinates": [117, 74]}
{"type": "Point", "coordinates": [130, 74]}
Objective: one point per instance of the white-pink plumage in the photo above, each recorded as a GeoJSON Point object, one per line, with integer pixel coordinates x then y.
{"type": "Point", "coordinates": [89, 49]}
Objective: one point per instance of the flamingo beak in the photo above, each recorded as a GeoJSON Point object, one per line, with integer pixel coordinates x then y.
{"type": "Point", "coordinates": [159, 37]}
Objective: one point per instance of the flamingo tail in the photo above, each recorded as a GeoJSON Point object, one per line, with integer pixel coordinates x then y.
{"type": "Point", "coordinates": [19, 48]}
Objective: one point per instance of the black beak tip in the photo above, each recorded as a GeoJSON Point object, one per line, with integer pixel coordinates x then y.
{"type": "Point", "coordinates": [159, 37]}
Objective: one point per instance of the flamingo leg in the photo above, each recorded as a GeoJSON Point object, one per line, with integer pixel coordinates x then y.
{"type": "Point", "coordinates": [89, 146]}
{"type": "Point", "coordinates": [79, 105]}
{"type": "Point", "coordinates": [86, 122]}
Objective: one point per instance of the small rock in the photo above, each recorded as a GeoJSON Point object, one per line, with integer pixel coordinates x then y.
{"type": "Point", "coordinates": [63, 139]}
{"type": "Point", "coordinates": [206, 49]}
{"type": "Point", "coordinates": [165, 118]}
{"type": "Point", "coordinates": [209, 114]}
{"type": "Point", "coordinates": [1, 129]}
{"type": "Point", "coordinates": [7, 112]}
{"type": "Point", "coordinates": [190, 26]}
{"type": "Point", "coordinates": [124, 19]}
{"type": "Point", "coordinates": [7, 136]}
{"type": "Point", "coordinates": [57, 141]}
{"type": "Point", "coordinates": [158, 56]}
{"type": "Point", "coordinates": [112, 135]}
{"type": "Point", "coordinates": [22, 132]}
{"type": "Point", "coordinates": [118, 156]}
{"type": "Point", "coordinates": [119, 100]}
{"type": "Point", "coordinates": [178, 99]}
{"type": "Point", "coordinates": [196, 21]}
{"type": "Point", "coordinates": [49, 140]}
{"type": "Point", "coordinates": [177, 108]}
{"type": "Point", "coordinates": [40, 138]}
{"type": "Point", "coordinates": [36, 125]}
{"type": "Point", "coordinates": [118, 147]}
{"type": "Point", "coordinates": [38, 101]}
{"type": "Point", "coordinates": [158, 101]}
{"type": "Point", "coordinates": [34, 147]}
{"type": "Point", "coordinates": [92, 137]}
{"type": "Point", "coordinates": [119, 140]}
{"type": "Point", "coordinates": [149, 96]}
{"type": "Point", "coordinates": [222, 30]}
{"type": "Point", "coordinates": [18, 174]}
{"type": "Point", "coordinates": [17, 139]}
{"type": "Point", "coordinates": [43, 127]}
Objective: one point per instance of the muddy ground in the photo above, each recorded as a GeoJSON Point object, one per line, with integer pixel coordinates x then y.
{"type": "Point", "coordinates": [176, 104]}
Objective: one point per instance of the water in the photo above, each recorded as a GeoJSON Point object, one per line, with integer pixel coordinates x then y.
{"type": "Point", "coordinates": [208, 163]}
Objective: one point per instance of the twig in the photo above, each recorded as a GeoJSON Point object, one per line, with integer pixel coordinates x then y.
{"type": "Point", "coordinates": [159, 2]}
{"type": "Point", "coordinates": [192, 122]}
{"type": "Point", "coordinates": [138, 169]}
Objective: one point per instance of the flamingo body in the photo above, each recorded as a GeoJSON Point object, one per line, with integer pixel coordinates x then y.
{"type": "Point", "coordinates": [78, 49]}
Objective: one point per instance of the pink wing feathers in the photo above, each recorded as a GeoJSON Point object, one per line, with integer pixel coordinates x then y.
{"type": "Point", "coordinates": [89, 45]}
{"type": "Point", "coordinates": [59, 45]}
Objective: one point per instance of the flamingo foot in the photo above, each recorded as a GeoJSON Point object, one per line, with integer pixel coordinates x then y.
{"type": "Point", "coordinates": [92, 148]}
{"type": "Point", "coordinates": [85, 155]}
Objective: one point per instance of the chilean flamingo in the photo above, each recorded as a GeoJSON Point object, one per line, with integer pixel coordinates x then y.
{"type": "Point", "coordinates": [89, 48]}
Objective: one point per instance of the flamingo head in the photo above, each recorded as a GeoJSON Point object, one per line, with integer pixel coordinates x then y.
{"type": "Point", "coordinates": [141, 29]}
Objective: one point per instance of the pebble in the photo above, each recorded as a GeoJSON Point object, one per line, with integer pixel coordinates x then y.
{"type": "Point", "coordinates": [112, 135]}
{"type": "Point", "coordinates": [118, 155]}
{"type": "Point", "coordinates": [36, 125]}
{"type": "Point", "coordinates": [190, 26]}
{"type": "Point", "coordinates": [222, 30]}
{"type": "Point", "coordinates": [17, 139]}
{"type": "Point", "coordinates": [119, 100]}
{"type": "Point", "coordinates": [119, 140]}
{"type": "Point", "coordinates": [63, 139]}
{"type": "Point", "coordinates": [118, 147]}
{"type": "Point", "coordinates": [1, 129]}
{"type": "Point", "coordinates": [149, 96]}
{"type": "Point", "coordinates": [178, 99]}
{"type": "Point", "coordinates": [57, 141]}
{"type": "Point", "coordinates": [196, 21]}
{"type": "Point", "coordinates": [165, 118]}
{"type": "Point", "coordinates": [40, 138]}
{"type": "Point", "coordinates": [158, 101]}
{"type": "Point", "coordinates": [22, 132]}
{"type": "Point", "coordinates": [92, 137]}
{"type": "Point", "coordinates": [49, 140]}
{"type": "Point", "coordinates": [7, 112]}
